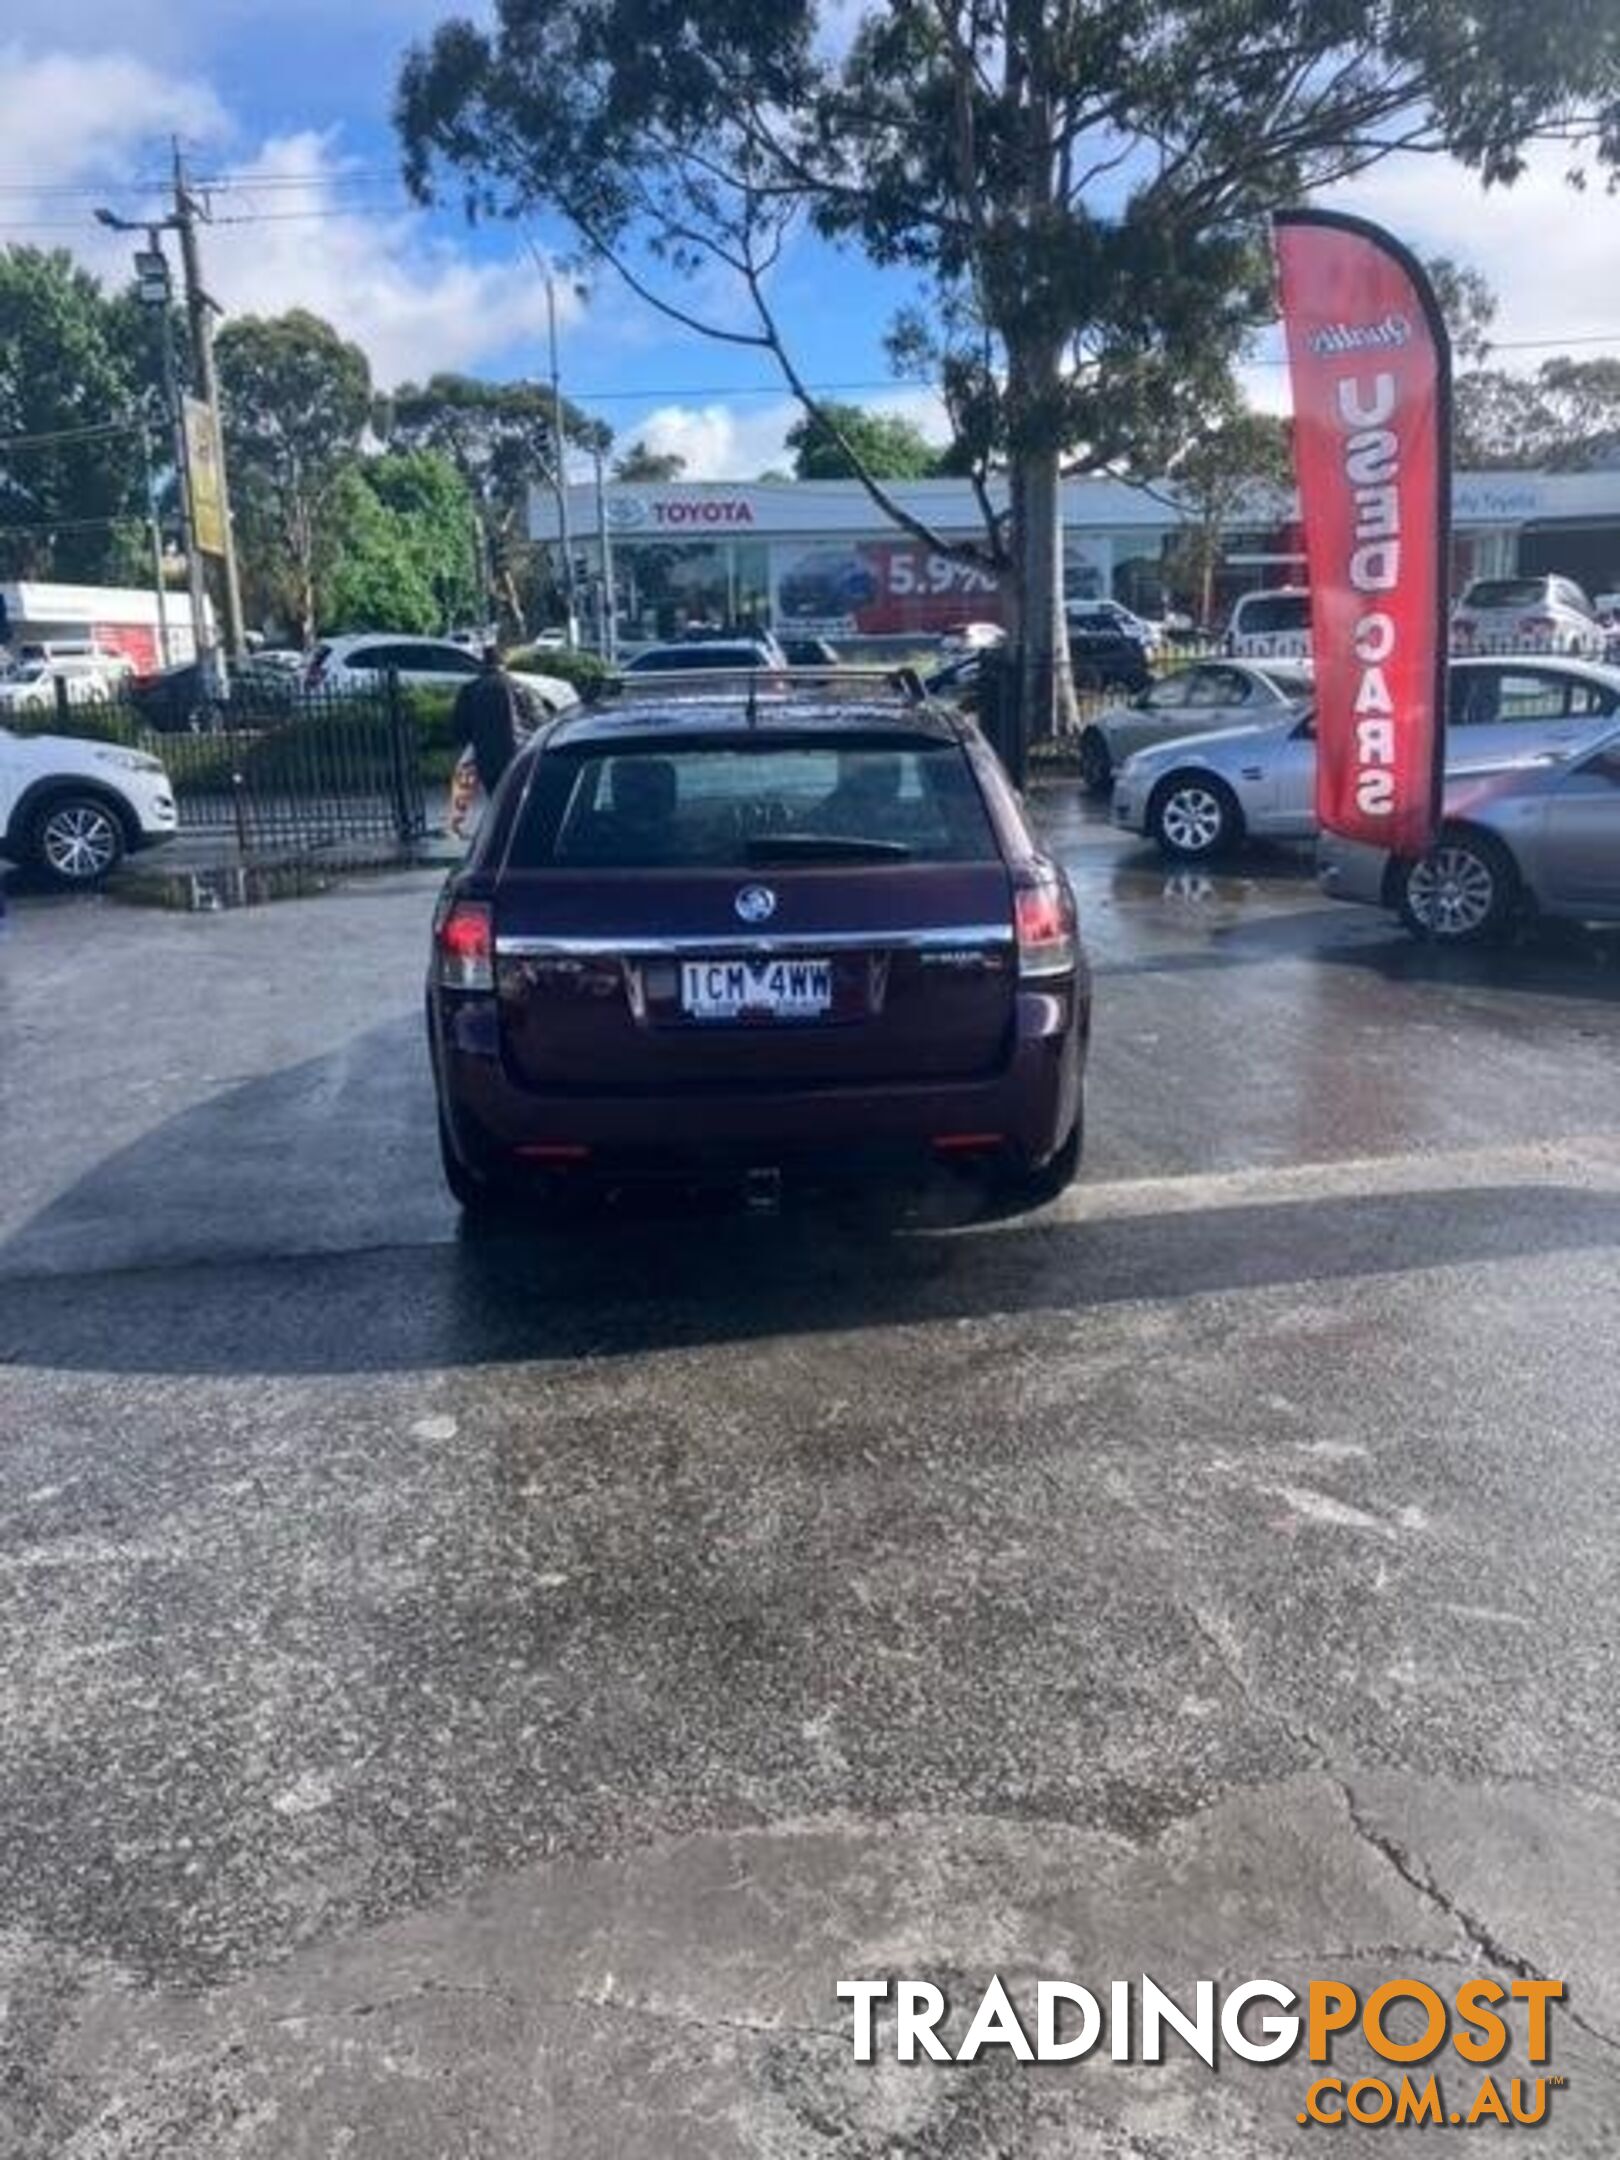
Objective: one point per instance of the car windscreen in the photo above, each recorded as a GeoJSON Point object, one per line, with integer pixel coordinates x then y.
{"type": "Point", "coordinates": [1268, 613]}
{"type": "Point", "coordinates": [1506, 593]}
{"type": "Point", "coordinates": [731, 805]}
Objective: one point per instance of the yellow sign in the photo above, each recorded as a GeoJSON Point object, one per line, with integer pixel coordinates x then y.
{"type": "Point", "coordinates": [203, 465]}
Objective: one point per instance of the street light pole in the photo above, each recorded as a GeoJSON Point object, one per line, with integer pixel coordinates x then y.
{"type": "Point", "coordinates": [560, 465]}
{"type": "Point", "coordinates": [156, 532]}
{"type": "Point", "coordinates": [604, 542]}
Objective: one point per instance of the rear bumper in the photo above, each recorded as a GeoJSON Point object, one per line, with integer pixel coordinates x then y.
{"type": "Point", "coordinates": [1025, 1110]}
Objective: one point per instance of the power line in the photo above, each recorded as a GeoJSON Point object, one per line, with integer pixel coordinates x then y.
{"type": "Point", "coordinates": [336, 176]}
{"type": "Point", "coordinates": [400, 205]}
{"type": "Point", "coordinates": [67, 525]}
{"type": "Point", "coordinates": [78, 434]}
{"type": "Point", "coordinates": [329, 210]}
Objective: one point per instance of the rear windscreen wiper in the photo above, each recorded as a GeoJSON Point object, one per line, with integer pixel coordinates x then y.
{"type": "Point", "coordinates": [829, 847]}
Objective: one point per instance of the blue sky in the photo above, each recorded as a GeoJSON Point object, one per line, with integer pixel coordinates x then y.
{"type": "Point", "coordinates": [293, 99]}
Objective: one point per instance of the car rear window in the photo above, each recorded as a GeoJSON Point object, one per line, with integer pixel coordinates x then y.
{"type": "Point", "coordinates": [666, 659]}
{"type": "Point", "coordinates": [1268, 613]}
{"type": "Point", "coordinates": [1293, 682]}
{"type": "Point", "coordinates": [735, 806]}
{"type": "Point", "coordinates": [1507, 593]}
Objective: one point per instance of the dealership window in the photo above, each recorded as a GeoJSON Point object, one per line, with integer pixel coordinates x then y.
{"type": "Point", "coordinates": [751, 584]}
{"type": "Point", "coordinates": [667, 586]}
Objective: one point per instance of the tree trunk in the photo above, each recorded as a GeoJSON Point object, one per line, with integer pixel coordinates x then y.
{"type": "Point", "coordinates": [1034, 392]}
{"type": "Point", "coordinates": [1046, 680]}
{"type": "Point", "coordinates": [507, 583]}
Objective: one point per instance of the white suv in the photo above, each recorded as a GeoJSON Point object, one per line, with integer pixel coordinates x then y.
{"type": "Point", "coordinates": [1542, 614]}
{"type": "Point", "coordinates": [72, 810]}
{"type": "Point", "coordinates": [348, 665]}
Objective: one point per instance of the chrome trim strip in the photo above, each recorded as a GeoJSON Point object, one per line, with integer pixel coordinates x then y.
{"type": "Point", "coordinates": [946, 938]}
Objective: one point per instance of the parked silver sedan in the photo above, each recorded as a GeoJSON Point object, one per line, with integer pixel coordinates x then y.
{"type": "Point", "coordinates": [1541, 836]}
{"type": "Point", "coordinates": [1201, 796]}
{"type": "Point", "coordinates": [1208, 695]}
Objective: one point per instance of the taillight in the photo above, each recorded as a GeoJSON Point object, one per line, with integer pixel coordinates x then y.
{"type": "Point", "coordinates": [1047, 933]}
{"type": "Point", "coordinates": [466, 947]}
{"type": "Point", "coordinates": [1534, 625]}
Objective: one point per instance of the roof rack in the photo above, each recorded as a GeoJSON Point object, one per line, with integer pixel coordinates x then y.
{"type": "Point", "coordinates": [758, 687]}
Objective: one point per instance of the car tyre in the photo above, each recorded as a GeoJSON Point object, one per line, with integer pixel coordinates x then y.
{"type": "Point", "coordinates": [1019, 1187]}
{"type": "Point", "coordinates": [1193, 816]}
{"type": "Point", "coordinates": [1465, 891]}
{"type": "Point", "coordinates": [1096, 762]}
{"type": "Point", "coordinates": [483, 1205]}
{"type": "Point", "coordinates": [76, 840]}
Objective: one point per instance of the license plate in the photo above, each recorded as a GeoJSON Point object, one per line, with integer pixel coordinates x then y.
{"type": "Point", "coordinates": [745, 989]}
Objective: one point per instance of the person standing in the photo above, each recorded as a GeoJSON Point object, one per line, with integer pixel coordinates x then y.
{"type": "Point", "coordinates": [490, 717]}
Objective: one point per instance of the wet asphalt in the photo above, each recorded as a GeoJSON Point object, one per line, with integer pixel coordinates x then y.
{"type": "Point", "coordinates": [466, 1698]}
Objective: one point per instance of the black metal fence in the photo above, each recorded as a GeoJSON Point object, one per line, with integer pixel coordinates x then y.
{"type": "Point", "coordinates": [273, 766]}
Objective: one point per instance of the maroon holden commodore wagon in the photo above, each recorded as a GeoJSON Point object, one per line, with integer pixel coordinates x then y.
{"type": "Point", "coordinates": [748, 934]}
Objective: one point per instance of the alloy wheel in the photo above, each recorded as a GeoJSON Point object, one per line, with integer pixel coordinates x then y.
{"type": "Point", "coordinates": [79, 842]}
{"type": "Point", "coordinates": [1452, 892]}
{"type": "Point", "coordinates": [1192, 820]}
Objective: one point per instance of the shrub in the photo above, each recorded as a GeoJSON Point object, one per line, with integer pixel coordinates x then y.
{"type": "Point", "coordinates": [575, 667]}
{"type": "Point", "coordinates": [84, 723]}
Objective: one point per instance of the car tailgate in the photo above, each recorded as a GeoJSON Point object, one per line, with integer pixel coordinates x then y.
{"type": "Point", "coordinates": [892, 972]}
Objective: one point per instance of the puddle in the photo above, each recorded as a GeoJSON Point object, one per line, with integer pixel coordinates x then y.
{"type": "Point", "coordinates": [252, 884]}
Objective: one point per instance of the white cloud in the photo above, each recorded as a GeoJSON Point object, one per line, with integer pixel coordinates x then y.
{"type": "Point", "coordinates": [724, 441]}
{"type": "Point", "coordinates": [1548, 249]}
{"type": "Point", "coordinates": [181, 33]}
{"type": "Point", "coordinates": [93, 118]}
{"type": "Point", "coordinates": [301, 237]}
{"type": "Point", "coordinates": [719, 442]}
{"type": "Point", "coordinates": [415, 301]}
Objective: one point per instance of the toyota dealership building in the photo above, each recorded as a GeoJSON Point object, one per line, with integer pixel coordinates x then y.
{"type": "Point", "coordinates": [818, 557]}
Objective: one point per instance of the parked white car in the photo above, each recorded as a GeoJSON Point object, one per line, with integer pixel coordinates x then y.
{"type": "Point", "coordinates": [970, 637]}
{"type": "Point", "coordinates": [1201, 796]}
{"type": "Point", "coordinates": [72, 810]}
{"type": "Point", "coordinates": [1153, 637]}
{"type": "Point", "coordinates": [351, 665]}
{"type": "Point", "coordinates": [1527, 614]}
{"type": "Point", "coordinates": [90, 677]}
{"type": "Point", "coordinates": [1271, 625]}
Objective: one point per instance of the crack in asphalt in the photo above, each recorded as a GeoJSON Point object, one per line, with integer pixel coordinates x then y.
{"type": "Point", "coordinates": [1481, 1939]}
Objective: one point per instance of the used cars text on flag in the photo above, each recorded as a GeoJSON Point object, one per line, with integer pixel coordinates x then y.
{"type": "Point", "coordinates": [1370, 364]}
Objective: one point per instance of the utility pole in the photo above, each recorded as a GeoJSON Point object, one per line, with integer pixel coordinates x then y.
{"type": "Point", "coordinates": [154, 289]}
{"type": "Point", "coordinates": [560, 463]}
{"type": "Point", "coordinates": [604, 542]}
{"type": "Point", "coordinates": [200, 310]}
